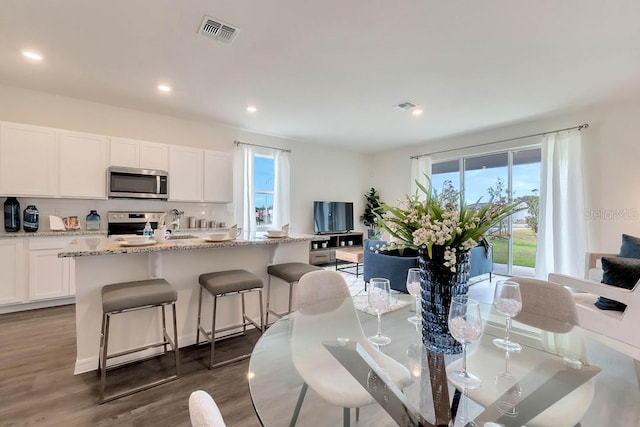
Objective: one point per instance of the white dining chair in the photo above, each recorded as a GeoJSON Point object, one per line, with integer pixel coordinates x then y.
{"type": "Point", "coordinates": [549, 307]}
{"type": "Point", "coordinates": [203, 410]}
{"type": "Point", "coordinates": [325, 313]}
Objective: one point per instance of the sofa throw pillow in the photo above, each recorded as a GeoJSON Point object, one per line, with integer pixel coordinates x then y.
{"type": "Point", "coordinates": [620, 272]}
{"type": "Point", "coordinates": [630, 247]}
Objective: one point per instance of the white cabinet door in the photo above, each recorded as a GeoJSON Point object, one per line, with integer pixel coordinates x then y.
{"type": "Point", "coordinates": [218, 178]}
{"type": "Point", "coordinates": [12, 285]}
{"type": "Point", "coordinates": [124, 152]}
{"type": "Point", "coordinates": [154, 156]}
{"type": "Point", "coordinates": [27, 160]}
{"type": "Point", "coordinates": [82, 160]}
{"type": "Point", "coordinates": [138, 154]}
{"type": "Point", "coordinates": [48, 275]}
{"type": "Point", "coordinates": [185, 174]}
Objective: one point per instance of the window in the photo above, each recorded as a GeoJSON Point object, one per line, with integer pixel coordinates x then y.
{"type": "Point", "coordinates": [513, 174]}
{"type": "Point", "coordinates": [263, 189]}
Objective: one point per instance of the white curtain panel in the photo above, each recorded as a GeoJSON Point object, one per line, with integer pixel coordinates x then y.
{"type": "Point", "coordinates": [282, 187]}
{"type": "Point", "coordinates": [420, 170]}
{"type": "Point", "coordinates": [562, 239]}
{"type": "Point", "coordinates": [245, 211]}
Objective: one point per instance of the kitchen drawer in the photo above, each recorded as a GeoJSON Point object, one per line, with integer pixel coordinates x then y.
{"type": "Point", "coordinates": [42, 243]}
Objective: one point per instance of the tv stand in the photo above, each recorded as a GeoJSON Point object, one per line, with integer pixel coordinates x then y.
{"type": "Point", "coordinates": [325, 252]}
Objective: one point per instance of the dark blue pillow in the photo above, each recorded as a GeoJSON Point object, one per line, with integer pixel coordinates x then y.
{"type": "Point", "coordinates": [630, 247]}
{"type": "Point", "coordinates": [620, 272]}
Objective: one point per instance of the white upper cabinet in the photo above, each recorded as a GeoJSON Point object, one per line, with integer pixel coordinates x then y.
{"type": "Point", "coordinates": [124, 152]}
{"type": "Point", "coordinates": [218, 177]}
{"type": "Point", "coordinates": [138, 154]}
{"type": "Point", "coordinates": [82, 160]}
{"type": "Point", "coordinates": [27, 160]}
{"type": "Point", "coordinates": [185, 174]}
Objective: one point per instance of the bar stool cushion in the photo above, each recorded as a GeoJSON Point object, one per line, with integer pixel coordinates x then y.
{"type": "Point", "coordinates": [291, 271]}
{"type": "Point", "coordinates": [223, 282]}
{"type": "Point", "coordinates": [126, 295]}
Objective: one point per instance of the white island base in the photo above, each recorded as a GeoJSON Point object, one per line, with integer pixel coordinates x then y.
{"type": "Point", "coordinates": [181, 267]}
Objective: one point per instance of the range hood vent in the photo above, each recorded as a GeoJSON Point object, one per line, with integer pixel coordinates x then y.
{"type": "Point", "coordinates": [218, 30]}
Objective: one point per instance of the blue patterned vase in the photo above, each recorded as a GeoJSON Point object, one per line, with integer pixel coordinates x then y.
{"type": "Point", "coordinates": [438, 285]}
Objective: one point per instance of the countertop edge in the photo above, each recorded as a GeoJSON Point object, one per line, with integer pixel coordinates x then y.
{"type": "Point", "coordinates": [81, 248]}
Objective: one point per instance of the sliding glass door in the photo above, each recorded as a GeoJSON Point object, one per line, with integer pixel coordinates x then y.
{"type": "Point", "coordinates": [502, 176]}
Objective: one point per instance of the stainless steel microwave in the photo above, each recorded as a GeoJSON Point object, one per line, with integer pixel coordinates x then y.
{"type": "Point", "coordinates": [134, 183]}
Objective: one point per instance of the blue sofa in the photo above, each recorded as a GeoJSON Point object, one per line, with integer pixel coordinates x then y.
{"type": "Point", "coordinates": [394, 265]}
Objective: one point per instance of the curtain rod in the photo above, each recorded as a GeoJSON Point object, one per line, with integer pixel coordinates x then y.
{"type": "Point", "coordinates": [580, 127]}
{"type": "Point", "coordinates": [261, 146]}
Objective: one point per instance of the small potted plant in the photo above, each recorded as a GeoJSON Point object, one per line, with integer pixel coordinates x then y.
{"type": "Point", "coordinates": [369, 217]}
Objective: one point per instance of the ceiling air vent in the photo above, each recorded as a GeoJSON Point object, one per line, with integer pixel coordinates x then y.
{"type": "Point", "coordinates": [218, 30]}
{"type": "Point", "coordinates": [405, 106]}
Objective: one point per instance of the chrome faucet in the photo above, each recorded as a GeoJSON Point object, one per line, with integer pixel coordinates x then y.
{"type": "Point", "coordinates": [176, 220]}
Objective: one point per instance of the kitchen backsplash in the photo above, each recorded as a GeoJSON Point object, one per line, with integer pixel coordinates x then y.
{"type": "Point", "coordinates": [81, 208]}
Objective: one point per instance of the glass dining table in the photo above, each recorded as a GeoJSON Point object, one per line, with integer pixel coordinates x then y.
{"type": "Point", "coordinates": [550, 375]}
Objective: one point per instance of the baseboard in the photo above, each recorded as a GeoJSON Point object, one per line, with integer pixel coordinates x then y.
{"type": "Point", "coordinates": [90, 364]}
{"type": "Point", "coordinates": [36, 305]}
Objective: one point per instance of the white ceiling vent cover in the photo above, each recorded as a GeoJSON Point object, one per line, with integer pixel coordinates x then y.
{"type": "Point", "coordinates": [218, 30]}
{"type": "Point", "coordinates": [405, 106]}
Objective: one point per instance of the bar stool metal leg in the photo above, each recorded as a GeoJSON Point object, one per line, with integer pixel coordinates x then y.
{"type": "Point", "coordinates": [199, 317]}
{"type": "Point", "coordinates": [164, 330]}
{"type": "Point", "coordinates": [268, 299]}
{"type": "Point", "coordinates": [213, 330]}
{"type": "Point", "coordinates": [103, 354]}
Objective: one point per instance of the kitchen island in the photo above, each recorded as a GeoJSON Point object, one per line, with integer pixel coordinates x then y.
{"type": "Point", "coordinates": [102, 261]}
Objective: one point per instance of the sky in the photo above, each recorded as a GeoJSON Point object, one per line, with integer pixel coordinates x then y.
{"type": "Point", "coordinates": [525, 179]}
{"type": "Point", "coordinates": [263, 173]}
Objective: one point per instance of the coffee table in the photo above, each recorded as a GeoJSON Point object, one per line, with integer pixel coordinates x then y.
{"type": "Point", "coordinates": [354, 255]}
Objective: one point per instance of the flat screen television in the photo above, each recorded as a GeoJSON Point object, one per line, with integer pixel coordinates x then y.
{"type": "Point", "coordinates": [332, 217]}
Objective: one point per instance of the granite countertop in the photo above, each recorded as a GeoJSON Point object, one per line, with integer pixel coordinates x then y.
{"type": "Point", "coordinates": [50, 233]}
{"type": "Point", "coordinates": [110, 246]}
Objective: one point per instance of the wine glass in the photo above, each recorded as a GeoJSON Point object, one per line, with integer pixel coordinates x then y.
{"type": "Point", "coordinates": [465, 325]}
{"type": "Point", "coordinates": [413, 287]}
{"type": "Point", "coordinates": [508, 302]}
{"type": "Point", "coordinates": [379, 300]}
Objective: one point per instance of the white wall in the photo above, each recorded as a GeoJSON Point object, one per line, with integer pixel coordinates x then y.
{"type": "Point", "coordinates": [611, 152]}
{"type": "Point", "coordinates": [317, 173]}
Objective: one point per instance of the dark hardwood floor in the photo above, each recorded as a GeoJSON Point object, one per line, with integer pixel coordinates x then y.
{"type": "Point", "coordinates": [38, 388]}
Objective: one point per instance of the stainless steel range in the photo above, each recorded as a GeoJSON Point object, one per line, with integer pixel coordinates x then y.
{"type": "Point", "coordinates": [131, 222]}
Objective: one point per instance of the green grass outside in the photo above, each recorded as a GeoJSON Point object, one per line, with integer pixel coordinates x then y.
{"type": "Point", "coordinates": [524, 248]}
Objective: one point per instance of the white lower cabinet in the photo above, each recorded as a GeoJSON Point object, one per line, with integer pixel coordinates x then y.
{"type": "Point", "coordinates": [12, 285]}
{"type": "Point", "coordinates": [32, 274]}
{"type": "Point", "coordinates": [49, 276]}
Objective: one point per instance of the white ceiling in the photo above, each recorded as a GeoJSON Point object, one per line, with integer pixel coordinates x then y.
{"type": "Point", "coordinates": [330, 71]}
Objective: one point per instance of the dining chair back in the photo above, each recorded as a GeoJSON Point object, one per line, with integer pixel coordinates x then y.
{"type": "Point", "coordinates": [326, 314]}
{"type": "Point", "coordinates": [203, 410]}
{"type": "Point", "coordinates": [550, 308]}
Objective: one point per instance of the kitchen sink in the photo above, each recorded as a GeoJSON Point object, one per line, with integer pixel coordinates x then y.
{"type": "Point", "coordinates": [181, 237]}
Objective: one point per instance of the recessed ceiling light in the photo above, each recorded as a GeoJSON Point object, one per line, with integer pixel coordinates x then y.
{"type": "Point", "coordinates": [251, 109]}
{"type": "Point", "coordinates": [32, 55]}
{"type": "Point", "coordinates": [164, 88]}
{"type": "Point", "coordinates": [417, 111]}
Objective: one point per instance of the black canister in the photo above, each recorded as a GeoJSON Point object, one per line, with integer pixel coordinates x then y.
{"type": "Point", "coordinates": [11, 214]}
{"type": "Point", "coordinates": [31, 216]}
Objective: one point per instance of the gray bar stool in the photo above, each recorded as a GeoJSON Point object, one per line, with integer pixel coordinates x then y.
{"type": "Point", "coordinates": [223, 283]}
{"type": "Point", "coordinates": [130, 296]}
{"type": "Point", "coordinates": [290, 272]}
